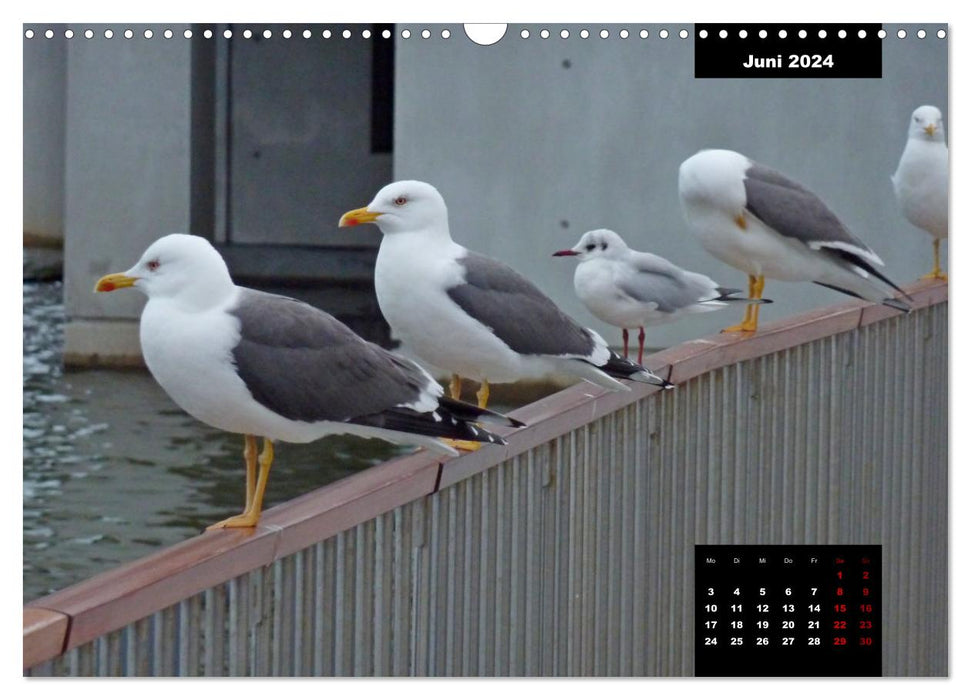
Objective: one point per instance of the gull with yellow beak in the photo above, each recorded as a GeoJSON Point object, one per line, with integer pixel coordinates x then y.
{"type": "Point", "coordinates": [756, 219]}
{"type": "Point", "coordinates": [470, 315]}
{"type": "Point", "coordinates": [920, 182]}
{"type": "Point", "coordinates": [260, 364]}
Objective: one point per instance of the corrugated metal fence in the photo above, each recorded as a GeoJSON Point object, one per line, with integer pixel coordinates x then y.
{"type": "Point", "coordinates": [571, 553]}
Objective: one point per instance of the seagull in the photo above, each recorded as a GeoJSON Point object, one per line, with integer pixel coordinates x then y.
{"type": "Point", "coordinates": [468, 314]}
{"type": "Point", "coordinates": [260, 364]}
{"type": "Point", "coordinates": [920, 182]}
{"type": "Point", "coordinates": [631, 289]}
{"type": "Point", "coordinates": [758, 220]}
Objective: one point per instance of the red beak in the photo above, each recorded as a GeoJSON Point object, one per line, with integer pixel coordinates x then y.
{"type": "Point", "coordinates": [561, 253]}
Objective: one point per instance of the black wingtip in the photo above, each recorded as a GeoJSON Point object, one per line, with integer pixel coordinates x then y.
{"type": "Point", "coordinates": [897, 304]}
{"type": "Point", "coordinates": [730, 295]}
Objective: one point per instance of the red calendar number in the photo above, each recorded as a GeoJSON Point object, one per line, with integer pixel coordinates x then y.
{"type": "Point", "coordinates": [839, 624]}
{"type": "Point", "coordinates": [839, 641]}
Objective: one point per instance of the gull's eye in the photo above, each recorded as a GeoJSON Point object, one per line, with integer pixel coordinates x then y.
{"type": "Point", "coordinates": [152, 265]}
{"type": "Point", "coordinates": [400, 201]}
{"type": "Point", "coordinates": [603, 246]}
{"type": "Point", "coordinates": [590, 246]}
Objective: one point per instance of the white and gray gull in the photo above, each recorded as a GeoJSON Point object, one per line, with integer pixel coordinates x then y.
{"type": "Point", "coordinates": [920, 183]}
{"type": "Point", "coordinates": [758, 220]}
{"type": "Point", "coordinates": [260, 364]}
{"type": "Point", "coordinates": [631, 289]}
{"type": "Point", "coordinates": [468, 314]}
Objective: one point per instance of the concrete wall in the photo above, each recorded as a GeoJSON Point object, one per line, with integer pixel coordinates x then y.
{"type": "Point", "coordinates": [45, 63]}
{"type": "Point", "coordinates": [532, 142]}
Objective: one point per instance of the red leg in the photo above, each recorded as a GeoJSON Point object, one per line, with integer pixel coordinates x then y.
{"type": "Point", "coordinates": [625, 342]}
{"type": "Point", "coordinates": [640, 351]}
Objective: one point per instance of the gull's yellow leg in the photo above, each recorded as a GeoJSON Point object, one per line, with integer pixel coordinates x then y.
{"type": "Point", "coordinates": [483, 396]}
{"type": "Point", "coordinates": [249, 454]}
{"type": "Point", "coordinates": [936, 273]}
{"type": "Point", "coordinates": [483, 393]}
{"type": "Point", "coordinates": [250, 516]}
{"type": "Point", "coordinates": [455, 387]}
{"type": "Point", "coordinates": [751, 320]}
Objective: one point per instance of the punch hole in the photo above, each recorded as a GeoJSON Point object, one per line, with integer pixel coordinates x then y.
{"type": "Point", "coordinates": [544, 34]}
{"type": "Point", "coordinates": [604, 33]}
{"type": "Point", "coordinates": [802, 33]}
{"type": "Point", "coordinates": [624, 33]}
{"type": "Point", "coordinates": [861, 33]}
{"type": "Point", "coordinates": [564, 34]}
{"type": "Point", "coordinates": [346, 33]}
{"type": "Point", "coordinates": [683, 34]}
{"type": "Point", "coordinates": [167, 34]}
{"type": "Point", "coordinates": [29, 34]}
{"type": "Point", "coordinates": [723, 34]}
{"type": "Point", "coordinates": [446, 34]}
{"type": "Point", "coordinates": [584, 34]}
{"type": "Point", "coordinates": [207, 34]}
{"type": "Point", "coordinates": [822, 33]}
{"type": "Point", "coordinates": [148, 34]}
{"type": "Point", "coordinates": [129, 34]}
{"type": "Point", "coordinates": [425, 34]}
{"type": "Point", "coordinates": [921, 34]}
{"type": "Point", "coordinates": [49, 34]}
{"type": "Point", "coordinates": [228, 34]}
{"type": "Point", "coordinates": [882, 34]}
{"type": "Point", "coordinates": [366, 34]}
{"type": "Point", "coordinates": [841, 33]}
{"type": "Point", "coordinates": [287, 34]}
{"type": "Point", "coordinates": [901, 33]}
{"type": "Point", "coordinates": [524, 34]}
{"type": "Point", "coordinates": [307, 34]}
{"type": "Point", "coordinates": [187, 33]}
{"type": "Point", "coordinates": [68, 34]}
{"type": "Point", "coordinates": [88, 34]}
{"type": "Point", "coordinates": [247, 34]}
{"type": "Point", "coordinates": [783, 33]}
{"type": "Point", "coordinates": [941, 34]}
{"type": "Point", "coordinates": [405, 33]}
{"type": "Point", "coordinates": [742, 34]}
{"type": "Point", "coordinates": [267, 33]}
{"type": "Point", "coordinates": [763, 34]}
{"type": "Point", "coordinates": [643, 34]}
{"type": "Point", "coordinates": [487, 34]}
{"type": "Point", "coordinates": [326, 34]}
{"type": "Point", "coordinates": [703, 34]}
{"type": "Point", "coordinates": [386, 34]}
{"type": "Point", "coordinates": [663, 33]}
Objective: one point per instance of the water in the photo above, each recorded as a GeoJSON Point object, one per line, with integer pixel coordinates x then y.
{"type": "Point", "coordinates": [113, 469]}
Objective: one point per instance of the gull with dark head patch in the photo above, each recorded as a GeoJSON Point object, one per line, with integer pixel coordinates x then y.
{"type": "Point", "coordinates": [631, 289]}
{"type": "Point", "coordinates": [468, 314]}
{"type": "Point", "coordinates": [268, 366]}
{"type": "Point", "coordinates": [920, 183]}
{"type": "Point", "coordinates": [758, 220]}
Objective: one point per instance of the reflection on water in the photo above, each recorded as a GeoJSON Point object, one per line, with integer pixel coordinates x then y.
{"type": "Point", "coordinates": [113, 469]}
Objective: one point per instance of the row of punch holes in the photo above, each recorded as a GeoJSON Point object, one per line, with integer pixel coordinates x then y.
{"type": "Point", "coordinates": [446, 34]}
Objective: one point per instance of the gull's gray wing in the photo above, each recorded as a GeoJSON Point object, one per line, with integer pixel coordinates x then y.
{"type": "Point", "coordinates": [652, 279]}
{"type": "Point", "coordinates": [306, 365]}
{"type": "Point", "coordinates": [518, 313]}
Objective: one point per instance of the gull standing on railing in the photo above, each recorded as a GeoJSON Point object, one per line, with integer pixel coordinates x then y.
{"type": "Point", "coordinates": [758, 220]}
{"type": "Point", "coordinates": [631, 289]}
{"type": "Point", "coordinates": [468, 314]}
{"type": "Point", "coordinates": [265, 365]}
{"type": "Point", "coordinates": [920, 182]}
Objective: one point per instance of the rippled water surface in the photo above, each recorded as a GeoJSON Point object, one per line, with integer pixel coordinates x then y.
{"type": "Point", "coordinates": [113, 469]}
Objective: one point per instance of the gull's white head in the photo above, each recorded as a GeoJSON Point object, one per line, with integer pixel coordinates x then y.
{"type": "Point", "coordinates": [926, 123]}
{"type": "Point", "coordinates": [175, 266]}
{"type": "Point", "coordinates": [601, 243]}
{"type": "Point", "coordinates": [402, 207]}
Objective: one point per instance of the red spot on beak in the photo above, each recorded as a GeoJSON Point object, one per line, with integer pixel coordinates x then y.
{"type": "Point", "coordinates": [561, 253]}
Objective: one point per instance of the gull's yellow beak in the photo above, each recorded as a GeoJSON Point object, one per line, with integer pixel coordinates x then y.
{"type": "Point", "coordinates": [930, 129]}
{"type": "Point", "coordinates": [110, 283]}
{"type": "Point", "coordinates": [358, 216]}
